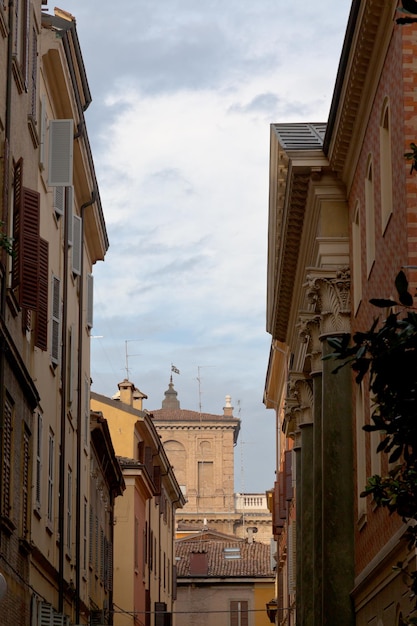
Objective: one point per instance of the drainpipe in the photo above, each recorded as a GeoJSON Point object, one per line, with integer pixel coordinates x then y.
{"type": "Point", "coordinates": [62, 473]}
{"type": "Point", "coordinates": [80, 419]}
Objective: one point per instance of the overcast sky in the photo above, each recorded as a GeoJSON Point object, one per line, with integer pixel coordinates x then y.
{"type": "Point", "coordinates": [183, 93]}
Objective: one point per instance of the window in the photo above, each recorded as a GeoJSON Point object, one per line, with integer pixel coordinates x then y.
{"type": "Point", "coordinates": [360, 453]}
{"type": "Point", "coordinates": [386, 165]}
{"type": "Point", "coordinates": [91, 536]}
{"type": "Point", "coordinates": [205, 478]}
{"type": "Point", "coordinates": [25, 269]}
{"type": "Point", "coordinates": [56, 320]}
{"type": "Point", "coordinates": [357, 258]}
{"type": "Point", "coordinates": [21, 44]}
{"type": "Point", "coordinates": [239, 613]}
{"type": "Point", "coordinates": [370, 216]}
{"type": "Point", "coordinates": [25, 483]}
{"type": "Point", "coordinates": [85, 524]}
{"type": "Point", "coordinates": [90, 294]}
{"type": "Point", "coordinates": [136, 543]}
{"type": "Point", "coordinates": [34, 75]}
{"type": "Point", "coordinates": [7, 445]}
{"type": "Point", "coordinates": [38, 478]}
{"type": "Point", "coordinates": [86, 409]}
{"type": "Point", "coordinates": [69, 509]}
{"type": "Point", "coordinates": [41, 325]}
{"type": "Point", "coordinates": [77, 244]}
{"type": "Point", "coordinates": [51, 465]}
{"type": "Point", "coordinates": [61, 143]}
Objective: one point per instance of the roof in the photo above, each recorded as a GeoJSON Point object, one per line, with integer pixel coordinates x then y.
{"type": "Point", "coordinates": [245, 559]}
{"type": "Point", "coordinates": [184, 415]}
{"type": "Point", "coordinates": [301, 135]}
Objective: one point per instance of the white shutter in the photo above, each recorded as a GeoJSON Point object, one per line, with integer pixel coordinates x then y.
{"type": "Point", "coordinates": [59, 200]}
{"type": "Point", "coordinates": [44, 119]}
{"type": "Point", "coordinates": [77, 244]}
{"type": "Point", "coordinates": [90, 294]}
{"type": "Point", "coordinates": [45, 614]}
{"type": "Point", "coordinates": [56, 320]}
{"type": "Point", "coordinates": [69, 212]}
{"type": "Point", "coordinates": [61, 145]}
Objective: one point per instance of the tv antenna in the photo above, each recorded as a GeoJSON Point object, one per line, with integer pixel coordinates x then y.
{"type": "Point", "coordinates": [127, 355]}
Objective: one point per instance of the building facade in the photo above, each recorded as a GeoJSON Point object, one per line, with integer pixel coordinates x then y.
{"type": "Point", "coordinates": [223, 581]}
{"type": "Point", "coordinates": [52, 214]}
{"type": "Point", "coordinates": [342, 219]}
{"type": "Point", "coordinates": [144, 530]}
{"type": "Point", "coordinates": [201, 447]}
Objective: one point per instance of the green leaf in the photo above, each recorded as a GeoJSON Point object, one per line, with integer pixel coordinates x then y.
{"type": "Point", "coordinates": [383, 303]}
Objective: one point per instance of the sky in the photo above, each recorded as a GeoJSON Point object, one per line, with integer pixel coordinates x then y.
{"type": "Point", "coordinates": [184, 92]}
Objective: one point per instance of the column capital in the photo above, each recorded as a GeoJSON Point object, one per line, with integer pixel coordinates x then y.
{"type": "Point", "coordinates": [310, 334]}
{"type": "Point", "coordinates": [329, 295]}
{"type": "Point", "coordinates": [298, 407]}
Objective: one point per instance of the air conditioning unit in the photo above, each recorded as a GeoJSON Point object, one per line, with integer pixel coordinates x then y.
{"type": "Point", "coordinates": [97, 618]}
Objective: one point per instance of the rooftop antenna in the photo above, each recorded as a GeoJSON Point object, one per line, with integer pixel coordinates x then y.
{"type": "Point", "coordinates": [127, 355]}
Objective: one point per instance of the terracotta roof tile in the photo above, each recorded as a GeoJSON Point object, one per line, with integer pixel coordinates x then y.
{"type": "Point", "coordinates": [183, 415]}
{"type": "Point", "coordinates": [254, 559]}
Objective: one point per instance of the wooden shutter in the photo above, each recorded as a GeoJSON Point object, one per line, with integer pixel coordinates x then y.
{"type": "Point", "coordinates": [61, 144]}
{"type": "Point", "coordinates": [30, 250]}
{"type": "Point", "coordinates": [56, 320]}
{"type": "Point", "coordinates": [239, 613]}
{"type": "Point", "coordinates": [41, 329]}
{"type": "Point", "coordinates": [25, 483]}
{"type": "Point", "coordinates": [90, 296]}
{"type": "Point", "coordinates": [25, 271]}
{"type": "Point", "coordinates": [7, 458]}
{"type": "Point", "coordinates": [288, 475]}
{"type": "Point", "coordinates": [17, 216]}
{"type": "Point", "coordinates": [76, 244]}
{"type": "Point", "coordinates": [292, 557]}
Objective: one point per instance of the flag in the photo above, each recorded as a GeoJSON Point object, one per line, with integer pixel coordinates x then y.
{"type": "Point", "coordinates": [175, 369]}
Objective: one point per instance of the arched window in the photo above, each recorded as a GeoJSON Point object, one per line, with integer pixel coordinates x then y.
{"type": "Point", "coordinates": [370, 215]}
{"type": "Point", "coordinates": [386, 164]}
{"type": "Point", "coordinates": [356, 258]}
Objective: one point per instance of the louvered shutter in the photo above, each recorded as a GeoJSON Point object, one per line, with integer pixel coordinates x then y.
{"type": "Point", "coordinates": [56, 320]}
{"type": "Point", "coordinates": [77, 244]}
{"type": "Point", "coordinates": [41, 330]}
{"type": "Point", "coordinates": [282, 503]}
{"type": "Point", "coordinates": [291, 557]}
{"type": "Point", "coordinates": [288, 475]}
{"type": "Point", "coordinates": [29, 280]}
{"type": "Point", "coordinates": [90, 296]}
{"type": "Point", "coordinates": [61, 145]}
{"type": "Point", "coordinates": [69, 212]}
{"type": "Point", "coordinates": [59, 200]}
{"type": "Point", "coordinates": [45, 614]}
{"type": "Point", "coordinates": [17, 217]}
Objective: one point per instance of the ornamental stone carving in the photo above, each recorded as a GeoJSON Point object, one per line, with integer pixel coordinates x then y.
{"type": "Point", "coordinates": [298, 408]}
{"type": "Point", "coordinates": [329, 297]}
{"type": "Point", "coordinates": [310, 334]}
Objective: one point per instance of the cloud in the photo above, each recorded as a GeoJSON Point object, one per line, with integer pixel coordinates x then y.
{"type": "Point", "coordinates": [184, 94]}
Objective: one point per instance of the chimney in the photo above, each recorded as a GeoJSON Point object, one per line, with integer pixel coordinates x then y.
{"type": "Point", "coordinates": [138, 398]}
{"type": "Point", "coordinates": [228, 409]}
{"type": "Point", "coordinates": [126, 389]}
